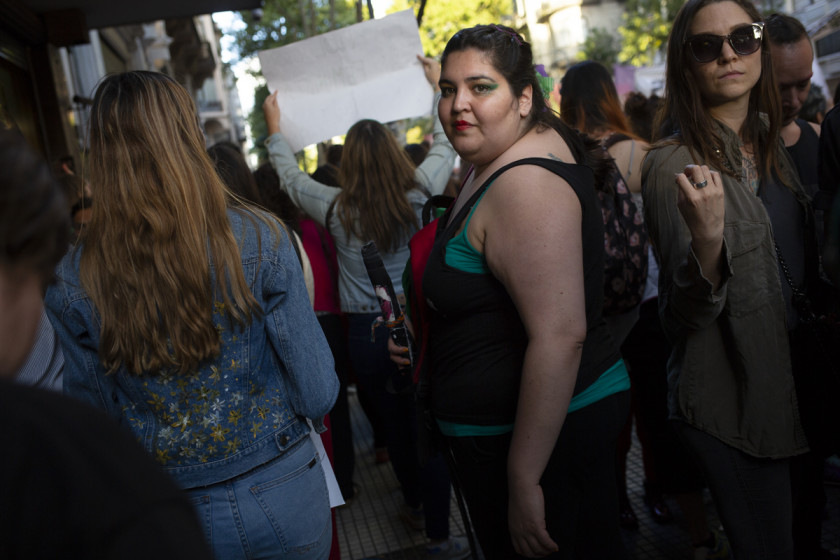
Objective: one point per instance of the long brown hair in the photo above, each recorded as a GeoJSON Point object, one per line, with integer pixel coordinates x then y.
{"type": "Point", "coordinates": [375, 174]}
{"type": "Point", "coordinates": [685, 113]}
{"type": "Point", "coordinates": [589, 101]}
{"type": "Point", "coordinates": [159, 221]}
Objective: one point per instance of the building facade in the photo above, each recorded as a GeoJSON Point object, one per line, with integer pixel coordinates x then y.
{"type": "Point", "coordinates": [54, 52]}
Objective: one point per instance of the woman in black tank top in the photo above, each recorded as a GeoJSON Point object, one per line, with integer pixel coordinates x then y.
{"type": "Point", "coordinates": [526, 384]}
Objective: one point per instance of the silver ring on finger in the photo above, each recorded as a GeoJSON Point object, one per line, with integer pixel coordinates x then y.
{"type": "Point", "coordinates": [701, 184]}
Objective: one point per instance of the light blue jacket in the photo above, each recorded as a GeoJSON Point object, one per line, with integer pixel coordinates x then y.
{"type": "Point", "coordinates": [315, 198]}
{"type": "Point", "coordinates": [240, 409]}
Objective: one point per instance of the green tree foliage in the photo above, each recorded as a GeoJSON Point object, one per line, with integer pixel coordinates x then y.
{"type": "Point", "coordinates": [601, 46]}
{"type": "Point", "coordinates": [285, 21]}
{"type": "Point", "coordinates": [443, 18]}
{"type": "Point", "coordinates": [259, 132]}
{"type": "Point", "coordinates": [256, 120]}
{"type": "Point", "coordinates": [647, 24]}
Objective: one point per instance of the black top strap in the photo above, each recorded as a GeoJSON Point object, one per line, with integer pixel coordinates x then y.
{"type": "Point", "coordinates": [614, 139]}
{"type": "Point", "coordinates": [434, 203]}
{"type": "Point", "coordinates": [566, 171]}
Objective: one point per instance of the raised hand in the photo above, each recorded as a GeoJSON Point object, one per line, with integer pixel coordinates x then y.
{"type": "Point", "coordinates": [701, 203]}
{"type": "Point", "coordinates": [432, 69]}
{"type": "Point", "coordinates": [272, 113]}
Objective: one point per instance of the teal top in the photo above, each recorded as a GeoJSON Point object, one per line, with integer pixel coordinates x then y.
{"type": "Point", "coordinates": [612, 381]}
{"type": "Point", "coordinates": [462, 255]}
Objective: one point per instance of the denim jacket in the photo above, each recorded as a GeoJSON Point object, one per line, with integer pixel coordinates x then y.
{"type": "Point", "coordinates": [729, 373]}
{"type": "Point", "coordinates": [241, 408]}
{"type": "Point", "coordinates": [315, 199]}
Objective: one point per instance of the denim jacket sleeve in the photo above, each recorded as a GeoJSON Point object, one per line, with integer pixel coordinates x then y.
{"type": "Point", "coordinates": [689, 296]}
{"type": "Point", "coordinates": [297, 337]}
{"type": "Point", "coordinates": [75, 333]}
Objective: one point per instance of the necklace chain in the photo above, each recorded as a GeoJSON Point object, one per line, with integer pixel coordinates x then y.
{"type": "Point", "coordinates": [725, 160]}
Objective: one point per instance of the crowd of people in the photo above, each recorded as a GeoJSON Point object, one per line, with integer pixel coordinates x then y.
{"type": "Point", "coordinates": [601, 262]}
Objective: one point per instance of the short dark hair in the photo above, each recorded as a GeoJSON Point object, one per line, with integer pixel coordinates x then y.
{"type": "Point", "coordinates": [417, 152]}
{"type": "Point", "coordinates": [641, 113]}
{"type": "Point", "coordinates": [783, 29]}
{"type": "Point", "coordinates": [234, 172]}
{"type": "Point", "coordinates": [334, 154]}
{"type": "Point", "coordinates": [326, 174]}
{"type": "Point", "coordinates": [813, 110]}
{"type": "Point", "coordinates": [275, 199]}
{"type": "Point", "coordinates": [34, 221]}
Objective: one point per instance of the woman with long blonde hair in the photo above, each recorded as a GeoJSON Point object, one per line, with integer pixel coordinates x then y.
{"type": "Point", "coordinates": [183, 313]}
{"type": "Point", "coordinates": [380, 199]}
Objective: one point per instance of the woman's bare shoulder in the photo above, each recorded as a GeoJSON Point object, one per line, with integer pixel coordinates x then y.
{"type": "Point", "coordinates": [628, 146]}
{"type": "Point", "coordinates": [528, 188]}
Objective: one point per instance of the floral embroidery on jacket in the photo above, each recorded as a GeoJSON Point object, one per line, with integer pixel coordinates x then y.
{"type": "Point", "coordinates": [201, 416]}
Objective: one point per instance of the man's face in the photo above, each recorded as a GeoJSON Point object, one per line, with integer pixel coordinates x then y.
{"type": "Point", "coordinates": [792, 66]}
{"type": "Point", "coordinates": [20, 312]}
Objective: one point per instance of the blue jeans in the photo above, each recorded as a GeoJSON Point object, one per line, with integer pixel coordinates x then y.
{"type": "Point", "coordinates": [426, 485]}
{"type": "Point", "coordinates": [753, 496]}
{"type": "Point", "coordinates": [279, 510]}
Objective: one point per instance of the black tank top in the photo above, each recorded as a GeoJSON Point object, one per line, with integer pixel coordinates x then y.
{"type": "Point", "coordinates": [477, 341]}
{"type": "Point", "coordinates": [805, 154]}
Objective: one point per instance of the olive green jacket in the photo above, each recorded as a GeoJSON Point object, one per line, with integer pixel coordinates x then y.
{"type": "Point", "coordinates": [729, 373]}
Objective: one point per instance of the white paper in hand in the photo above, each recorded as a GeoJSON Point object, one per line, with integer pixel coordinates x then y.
{"type": "Point", "coordinates": [365, 71]}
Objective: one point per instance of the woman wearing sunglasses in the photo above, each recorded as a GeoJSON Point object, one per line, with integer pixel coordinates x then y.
{"type": "Point", "coordinates": [717, 188]}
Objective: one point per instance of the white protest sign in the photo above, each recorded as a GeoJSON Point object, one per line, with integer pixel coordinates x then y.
{"type": "Point", "coordinates": [365, 71]}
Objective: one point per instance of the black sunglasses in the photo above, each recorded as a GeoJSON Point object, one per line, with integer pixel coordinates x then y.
{"type": "Point", "coordinates": [744, 40]}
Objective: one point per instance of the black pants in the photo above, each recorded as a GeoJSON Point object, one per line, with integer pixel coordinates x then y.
{"type": "Point", "coordinates": [581, 501]}
{"type": "Point", "coordinates": [426, 484]}
{"type": "Point", "coordinates": [344, 461]}
{"type": "Point", "coordinates": [818, 415]}
{"type": "Point", "coordinates": [752, 495]}
{"type": "Point", "coordinates": [669, 467]}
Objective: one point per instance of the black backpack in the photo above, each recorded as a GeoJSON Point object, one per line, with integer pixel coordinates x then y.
{"type": "Point", "coordinates": [625, 240]}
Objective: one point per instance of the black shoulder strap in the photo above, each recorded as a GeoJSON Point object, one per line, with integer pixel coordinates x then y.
{"type": "Point", "coordinates": [615, 174]}
{"type": "Point", "coordinates": [615, 139]}
{"type": "Point", "coordinates": [329, 214]}
{"type": "Point", "coordinates": [294, 238]}
{"type": "Point", "coordinates": [559, 168]}
{"type": "Point", "coordinates": [806, 129]}
{"type": "Point", "coordinates": [325, 247]}
{"type": "Point", "coordinates": [435, 202]}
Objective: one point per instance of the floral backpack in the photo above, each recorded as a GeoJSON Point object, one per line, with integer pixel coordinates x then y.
{"type": "Point", "coordinates": [625, 240]}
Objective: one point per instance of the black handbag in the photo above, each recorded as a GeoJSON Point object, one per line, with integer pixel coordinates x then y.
{"type": "Point", "coordinates": [815, 355]}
